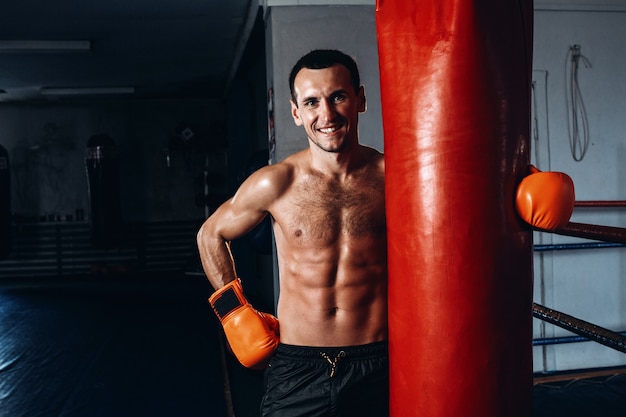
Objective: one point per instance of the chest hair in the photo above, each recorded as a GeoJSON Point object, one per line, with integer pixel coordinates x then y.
{"type": "Point", "coordinates": [326, 210]}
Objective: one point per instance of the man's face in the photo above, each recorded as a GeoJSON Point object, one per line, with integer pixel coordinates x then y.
{"type": "Point", "coordinates": [327, 107]}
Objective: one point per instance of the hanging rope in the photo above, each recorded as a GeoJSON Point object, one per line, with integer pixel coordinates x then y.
{"type": "Point", "coordinates": [577, 114]}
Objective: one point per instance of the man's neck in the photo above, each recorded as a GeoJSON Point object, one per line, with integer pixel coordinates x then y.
{"type": "Point", "coordinates": [338, 164]}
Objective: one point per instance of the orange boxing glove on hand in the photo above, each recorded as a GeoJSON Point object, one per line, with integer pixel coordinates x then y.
{"type": "Point", "coordinates": [545, 199]}
{"type": "Point", "coordinates": [253, 336]}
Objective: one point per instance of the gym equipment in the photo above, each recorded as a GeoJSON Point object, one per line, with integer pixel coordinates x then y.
{"type": "Point", "coordinates": [5, 204]}
{"type": "Point", "coordinates": [455, 87]}
{"type": "Point", "coordinates": [102, 168]}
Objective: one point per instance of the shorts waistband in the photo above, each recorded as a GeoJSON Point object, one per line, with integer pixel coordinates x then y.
{"type": "Point", "coordinates": [315, 352]}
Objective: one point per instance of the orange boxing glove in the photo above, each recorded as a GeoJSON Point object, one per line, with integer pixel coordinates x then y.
{"type": "Point", "coordinates": [545, 199]}
{"type": "Point", "coordinates": [253, 336]}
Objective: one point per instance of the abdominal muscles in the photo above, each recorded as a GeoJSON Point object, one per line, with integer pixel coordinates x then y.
{"type": "Point", "coordinates": [331, 249]}
{"type": "Point", "coordinates": [330, 298]}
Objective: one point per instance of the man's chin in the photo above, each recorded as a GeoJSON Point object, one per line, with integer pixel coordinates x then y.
{"type": "Point", "coordinates": [331, 148]}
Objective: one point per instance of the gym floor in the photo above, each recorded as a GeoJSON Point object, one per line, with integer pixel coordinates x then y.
{"type": "Point", "coordinates": [116, 346]}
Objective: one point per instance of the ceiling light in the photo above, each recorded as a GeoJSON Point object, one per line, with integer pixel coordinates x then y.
{"type": "Point", "coordinates": [85, 91]}
{"type": "Point", "coordinates": [43, 46]}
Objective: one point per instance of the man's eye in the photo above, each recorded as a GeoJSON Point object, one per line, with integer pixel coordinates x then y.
{"type": "Point", "coordinates": [339, 98]}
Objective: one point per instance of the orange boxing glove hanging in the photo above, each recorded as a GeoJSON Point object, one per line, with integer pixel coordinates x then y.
{"type": "Point", "coordinates": [545, 199]}
{"type": "Point", "coordinates": [252, 335]}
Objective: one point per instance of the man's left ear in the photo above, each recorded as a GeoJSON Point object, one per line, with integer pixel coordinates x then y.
{"type": "Point", "coordinates": [362, 100]}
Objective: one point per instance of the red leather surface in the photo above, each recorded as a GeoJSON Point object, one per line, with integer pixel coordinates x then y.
{"type": "Point", "coordinates": [455, 85]}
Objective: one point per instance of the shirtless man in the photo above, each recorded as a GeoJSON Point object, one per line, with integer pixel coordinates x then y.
{"type": "Point", "coordinates": [328, 211]}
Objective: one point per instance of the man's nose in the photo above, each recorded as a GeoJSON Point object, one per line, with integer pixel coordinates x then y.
{"type": "Point", "coordinates": [327, 109]}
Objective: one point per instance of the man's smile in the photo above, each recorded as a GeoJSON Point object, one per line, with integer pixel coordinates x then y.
{"type": "Point", "coordinates": [330, 129]}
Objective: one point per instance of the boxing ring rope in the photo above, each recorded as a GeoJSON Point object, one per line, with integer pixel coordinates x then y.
{"type": "Point", "coordinates": [600, 203]}
{"type": "Point", "coordinates": [616, 236]}
{"type": "Point", "coordinates": [611, 237]}
{"type": "Point", "coordinates": [596, 333]}
{"type": "Point", "coordinates": [572, 246]}
{"type": "Point", "coordinates": [544, 341]}
{"type": "Point", "coordinates": [591, 231]}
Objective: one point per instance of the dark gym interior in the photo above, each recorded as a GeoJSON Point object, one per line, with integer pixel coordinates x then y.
{"type": "Point", "coordinates": [111, 319]}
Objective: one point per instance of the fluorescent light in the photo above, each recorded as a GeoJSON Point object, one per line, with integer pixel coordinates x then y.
{"type": "Point", "coordinates": [85, 91]}
{"type": "Point", "coordinates": [43, 46]}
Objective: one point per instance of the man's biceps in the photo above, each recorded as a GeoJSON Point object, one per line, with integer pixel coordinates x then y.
{"type": "Point", "coordinates": [242, 223]}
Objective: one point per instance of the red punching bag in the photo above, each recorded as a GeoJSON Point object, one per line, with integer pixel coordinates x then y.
{"type": "Point", "coordinates": [455, 87]}
{"type": "Point", "coordinates": [102, 167]}
{"type": "Point", "coordinates": [5, 204]}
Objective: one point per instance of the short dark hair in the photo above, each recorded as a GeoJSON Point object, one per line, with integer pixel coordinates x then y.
{"type": "Point", "coordinates": [325, 58]}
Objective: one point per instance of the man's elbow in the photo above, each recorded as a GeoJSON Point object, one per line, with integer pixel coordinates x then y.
{"type": "Point", "coordinates": [208, 235]}
{"type": "Point", "coordinates": [202, 235]}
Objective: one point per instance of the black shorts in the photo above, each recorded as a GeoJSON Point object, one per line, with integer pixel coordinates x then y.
{"type": "Point", "coordinates": [336, 381]}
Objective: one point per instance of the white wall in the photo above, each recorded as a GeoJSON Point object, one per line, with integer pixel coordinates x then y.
{"type": "Point", "coordinates": [588, 284]}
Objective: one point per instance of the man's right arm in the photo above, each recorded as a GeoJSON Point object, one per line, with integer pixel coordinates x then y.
{"type": "Point", "coordinates": [214, 249]}
{"type": "Point", "coordinates": [252, 335]}
{"type": "Point", "coordinates": [232, 220]}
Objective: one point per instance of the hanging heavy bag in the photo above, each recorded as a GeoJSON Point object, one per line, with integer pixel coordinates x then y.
{"type": "Point", "coordinates": [5, 204]}
{"type": "Point", "coordinates": [104, 191]}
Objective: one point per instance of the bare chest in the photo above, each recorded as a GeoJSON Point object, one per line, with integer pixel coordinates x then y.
{"type": "Point", "coordinates": [318, 212]}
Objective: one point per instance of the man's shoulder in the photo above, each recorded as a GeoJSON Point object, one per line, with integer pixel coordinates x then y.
{"type": "Point", "coordinates": [290, 165]}
{"type": "Point", "coordinates": [375, 153]}
{"type": "Point", "coordinates": [373, 156]}
{"type": "Point", "coordinates": [273, 179]}
{"type": "Point", "coordinates": [280, 169]}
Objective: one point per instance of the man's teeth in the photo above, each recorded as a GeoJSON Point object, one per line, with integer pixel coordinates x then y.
{"type": "Point", "coordinates": [328, 130]}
